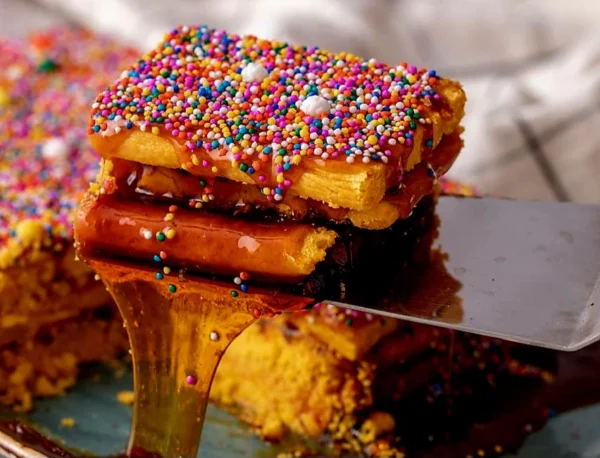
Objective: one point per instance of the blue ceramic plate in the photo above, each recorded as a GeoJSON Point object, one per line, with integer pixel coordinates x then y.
{"type": "Point", "coordinates": [102, 425]}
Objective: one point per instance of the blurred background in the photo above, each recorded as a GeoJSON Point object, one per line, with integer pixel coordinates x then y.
{"type": "Point", "coordinates": [531, 68]}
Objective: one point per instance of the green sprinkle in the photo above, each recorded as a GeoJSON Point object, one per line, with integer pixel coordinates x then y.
{"type": "Point", "coordinates": [234, 294]}
{"type": "Point", "coordinates": [243, 167]}
{"type": "Point", "coordinates": [160, 237]}
{"type": "Point", "coordinates": [47, 66]}
{"type": "Point", "coordinates": [172, 288]}
{"type": "Point", "coordinates": [348, 322]}
{"type": "Point", "coordinates": [202, 183]}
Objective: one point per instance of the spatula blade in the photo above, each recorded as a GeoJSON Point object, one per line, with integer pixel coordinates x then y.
{"type": "Point", "coordinates": [526, 271]}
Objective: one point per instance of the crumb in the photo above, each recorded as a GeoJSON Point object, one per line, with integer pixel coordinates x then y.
{"type": "Point", "coordinates": [67, 422]}
{"type": "Point", "coordinates": [125, 397]}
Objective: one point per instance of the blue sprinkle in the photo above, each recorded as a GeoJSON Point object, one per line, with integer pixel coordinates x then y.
{"type": "Point", "coordinates": [229, 140]}
{"type": "Point", "coordinates": [96, 128]}
{"type": "Point", "coordinates": [429, 143]}
{"type": "Point", "coordinates": [278, 191]}
{"type": "Point", "coordinates": [267, 150]}
{"type": "Point", "coordinates": [244, 288]}
{"type": "Point", "coordinates": [287, 166]}
{"type": "Point", "coordinates": [159, 276]}
{"type": "Point", "coordinates": [157, 258]}
{"type": "Point", "coordinates": [129, 125]}
{"type": "Point", "coordinates": [250, 170]}
{"type": "Point", "coordinates": [214, 144]}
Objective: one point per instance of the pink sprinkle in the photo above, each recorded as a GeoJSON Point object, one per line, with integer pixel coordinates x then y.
{"type": "Point", "coordinates": [191, 380]}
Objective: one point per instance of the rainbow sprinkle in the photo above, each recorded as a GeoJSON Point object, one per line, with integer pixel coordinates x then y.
{"type": "Point", "coordinates": [46, 85]}
{"type": "Point", "coordinates": [265, 105]}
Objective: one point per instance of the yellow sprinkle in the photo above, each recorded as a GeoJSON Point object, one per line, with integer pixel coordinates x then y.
{"type": "Point", "coordinates": [4, 98]}
{"type": "Point", "coordinates": [296, 159]}
{"type": "Point", "coordinates": [166, 270]}
{"type": "Point", "coordinates": [169, 217]}
{"type": "Point", "coordinates": [266, 191]}
{"type": "Point", "coordinates": [126, 397]}
{"type": "Point", "coordinates": [214, 169]}
{"type": "Point", "coordinates": [205, 198]}
{"type": "Point", "coordinates": [155, 130]}
{"type": "Point", "coordinates": [198, 205]}
{"type": "Point", "coordinates": [170, 233]}
{"type": "Point", "coordinates": [195, 159]}
{"type": "Point", "coordinates": [280, 178]}
{"type": "Point", "coordinates": [67, 422]}
{"type": "Point", "coordinates": [411, 79]}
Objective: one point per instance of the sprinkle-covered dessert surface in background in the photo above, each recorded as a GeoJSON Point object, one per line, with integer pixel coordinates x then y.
{"type": "Point", "coordinates": [47, 84]}
{"type": "Point", "coordinates": [257, 102]}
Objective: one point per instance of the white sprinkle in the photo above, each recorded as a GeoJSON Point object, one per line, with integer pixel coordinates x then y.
{"type": "Point", "coordinates": [214, 336]}
{"type": "Point", "coordinates": [254, 72]}
{"type": "Point", "coordinates": [315, 106]}
{"type": "Point", "coordinates": [237, 280]}
{"type": "Point", "coordinates": [366, 160]}
{"type": "Point", "coordinates": [146, 233]}
{"type": "Point", "coordinates": [54, 148]}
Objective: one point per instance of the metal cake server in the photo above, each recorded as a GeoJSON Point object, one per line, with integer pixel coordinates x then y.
{"type": "Point", "coordinates": [523, 271]}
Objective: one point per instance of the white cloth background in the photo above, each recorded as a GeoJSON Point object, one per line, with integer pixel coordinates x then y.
{"type": "Point", "coordinates": [531, 68]}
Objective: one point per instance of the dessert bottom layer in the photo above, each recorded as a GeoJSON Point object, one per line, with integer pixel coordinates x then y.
{"type": "Point", "coordinates": [46, 364]}
{"type": "Point", "coordinates": [417, 391]}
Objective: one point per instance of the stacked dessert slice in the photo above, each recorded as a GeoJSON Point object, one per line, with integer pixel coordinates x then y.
{"type": "Point", "coordinates": [288, 166]}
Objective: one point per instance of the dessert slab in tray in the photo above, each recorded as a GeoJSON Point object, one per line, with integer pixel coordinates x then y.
{"type": "Point", "coordinates": [101, 426]}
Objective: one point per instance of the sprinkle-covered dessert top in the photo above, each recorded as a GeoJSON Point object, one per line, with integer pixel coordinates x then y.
{"type": "Point", "coordinates": [46, 162]}
{"type": "Point", "coordinates": [256, 101]}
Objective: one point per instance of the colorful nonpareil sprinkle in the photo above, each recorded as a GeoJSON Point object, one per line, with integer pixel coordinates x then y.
{"type": "Point", "coordinates": [46, 85]}
{"type": "Point", "coordinates": [265, 105]}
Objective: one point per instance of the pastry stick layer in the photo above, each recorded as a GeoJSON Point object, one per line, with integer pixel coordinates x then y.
{"type": "Point", "coordinates": [329, 127]}
{"type": "Point", "coordinates": [333, 261]}
{"type": "Point", "coordinates": [134, 179]}
{"type": "Point", "coordinates": [209, 243]}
